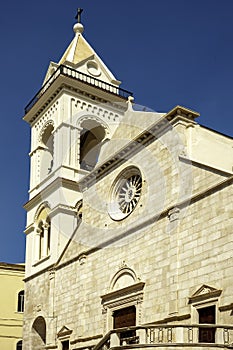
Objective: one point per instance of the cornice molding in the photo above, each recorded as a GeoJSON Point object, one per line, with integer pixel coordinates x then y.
{"type": "Point", "coordinates": [64, 332]}
{"type": "Point", "coordinates": [128, 292]}
{"type": "Point", "coordinates": [226, 307]}
{"type": "Point", "coordinates": [204, 293]}
{"type": "Point", "coordinates": [179, 111]}
{"type": "Point", "coordinates": [169, 319]}
{"type": "Point", "coordinates": [82, 340]}
{"type": "Point", "coordinates": [12, 267]}
{"type": "Point", "coordinates": [205, 166]}
{"type": "Point", "coordinates": [54, 185]}
{"type": "Point", "coordinates": [63, 83]}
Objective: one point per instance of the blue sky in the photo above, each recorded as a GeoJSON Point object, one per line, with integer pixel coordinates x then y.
{"type": "Point", "coordinates": [167, 52]}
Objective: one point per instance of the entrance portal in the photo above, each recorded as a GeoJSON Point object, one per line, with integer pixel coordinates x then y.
{"type": "Point", "coordinates": [126, 318]}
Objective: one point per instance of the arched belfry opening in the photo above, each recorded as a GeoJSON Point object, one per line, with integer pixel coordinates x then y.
{"type": "Point", "coordinates": [39, 333]}
{"type": "Point", "coordinates": [47, 151]}
{"type": "Point", "coordinates": [91, 139]}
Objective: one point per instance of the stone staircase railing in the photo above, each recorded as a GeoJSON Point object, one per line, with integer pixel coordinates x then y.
{"type": "Point", "coordinates": [169, 336]}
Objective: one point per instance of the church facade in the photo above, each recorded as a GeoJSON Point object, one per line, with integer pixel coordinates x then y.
{"type": "Point", "coordinates": [129, 218]}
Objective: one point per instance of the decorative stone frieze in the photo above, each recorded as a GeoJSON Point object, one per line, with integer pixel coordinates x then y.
{"type": "Point", "coordinates": [47, 117]}
{"type": "Point", "coordinates": [93, 110]}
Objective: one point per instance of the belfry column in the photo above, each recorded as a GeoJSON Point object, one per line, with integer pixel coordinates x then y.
{"type": "Point", "coordinates": [46, 238]}
{"type": "Point", "coordinates": [37, 243]}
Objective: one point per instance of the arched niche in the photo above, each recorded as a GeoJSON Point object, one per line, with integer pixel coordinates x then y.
{"type": "Point", "coordinates": [123, 278]}
{"type": "Point", "coordinates": [92, 135]}
{"type": "Point", "coordinates": [46, 150]}
{"type": "Point", "coordinates": [39, 333]}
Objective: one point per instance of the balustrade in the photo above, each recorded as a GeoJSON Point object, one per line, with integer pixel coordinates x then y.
{"type": "Point", "coordinates": [183, 335]}
{"type": "Point", "coordinates": [79, 76]}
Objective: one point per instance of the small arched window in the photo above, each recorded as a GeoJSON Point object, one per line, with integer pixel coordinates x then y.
{"type": "Point", "coordinates": [20, 306]}
{"type": "Point", "coordinates": [42, 237]}
{"type": "Point", "coordinates": [19, 345]}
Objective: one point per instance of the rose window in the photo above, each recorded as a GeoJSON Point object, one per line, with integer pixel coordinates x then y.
{"type": "Point", "coordinates": [126, 193]}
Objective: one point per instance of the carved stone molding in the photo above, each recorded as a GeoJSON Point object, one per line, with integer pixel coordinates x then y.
{"type": "Point", "coordinates": [82, 259]}
{"type": "Point", "coordinates": [37, 308]}
{"type": "Point", "coordinates": [64, 332]}
{"type": "Point", "coordinates": [51, 275]}
{"type": "Point", "coordinates": [79, 208]}
{"type": "Point", "coordinates": [45, 205]}
{"type": "Point", "coordinates": [104, 310]}
{"type": "Point", "coordinates": [123, 269]}
{"type": "Point", "coordinates": [173, 214]}
{"type": "Point", "coordinates": [48, 115]}
{"type": "Point", "coordinates": [205, 292]}
{"type": "Point", "coordinates": [43, 128]}
{"type": "Point", "coordinates": [93, 109]}
{"type": "Point", "coordinates": [130, 294]}
{"type": "Point", "coordinates": [96, 119]}
{"type": "Point", "coordinates": [120, 299]}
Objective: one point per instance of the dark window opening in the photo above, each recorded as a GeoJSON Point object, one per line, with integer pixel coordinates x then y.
{"type": "Point", "coordinates": [91, 139]}
{"type": "Point", "coordinates": [20, 307]}
{"type": "Point", "coordinates": [65, 345]}
{"type": "Point", "coordinates": [126, 318]}
{"type": "Point", "coordinates": [207, 316]}
{"type": "Point", "coordinates": [19, 345]}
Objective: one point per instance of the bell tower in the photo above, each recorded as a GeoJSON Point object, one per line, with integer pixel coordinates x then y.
{"type": "Point", "coordinates": [72, 118]}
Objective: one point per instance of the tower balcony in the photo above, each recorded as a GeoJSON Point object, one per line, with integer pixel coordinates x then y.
{"type": "Point", "coordinates": [164, 336]}
{"type": "Point", "coordinates": [81, 80]}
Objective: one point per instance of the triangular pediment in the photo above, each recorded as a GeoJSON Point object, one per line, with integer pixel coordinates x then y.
{"type": "Point", "coordinates": [64, 331]}
{"type": "Point", "coordinates": [204, 292]}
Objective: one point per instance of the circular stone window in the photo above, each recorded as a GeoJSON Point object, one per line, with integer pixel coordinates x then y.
{"type": "Point", "coordinates": [93, 68]}
{"type": "Point", "coordinates": [125, 193]}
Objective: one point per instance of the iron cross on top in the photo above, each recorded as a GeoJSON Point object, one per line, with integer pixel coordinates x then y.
{"type": "Point", "coordinates": [78, 16]}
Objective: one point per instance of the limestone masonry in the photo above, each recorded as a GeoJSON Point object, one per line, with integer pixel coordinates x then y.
{"type": "Point", "coordinates": [129, 218]}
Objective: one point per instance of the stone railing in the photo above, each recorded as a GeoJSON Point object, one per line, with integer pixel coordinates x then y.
{"type": "Point", "coordinates": [169, 336]}
{"type": "Point", "coordinates": [79, 76]}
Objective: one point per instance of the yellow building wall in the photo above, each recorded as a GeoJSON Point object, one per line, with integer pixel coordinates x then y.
{"type": "Point", "coordinates": [11, 321]}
